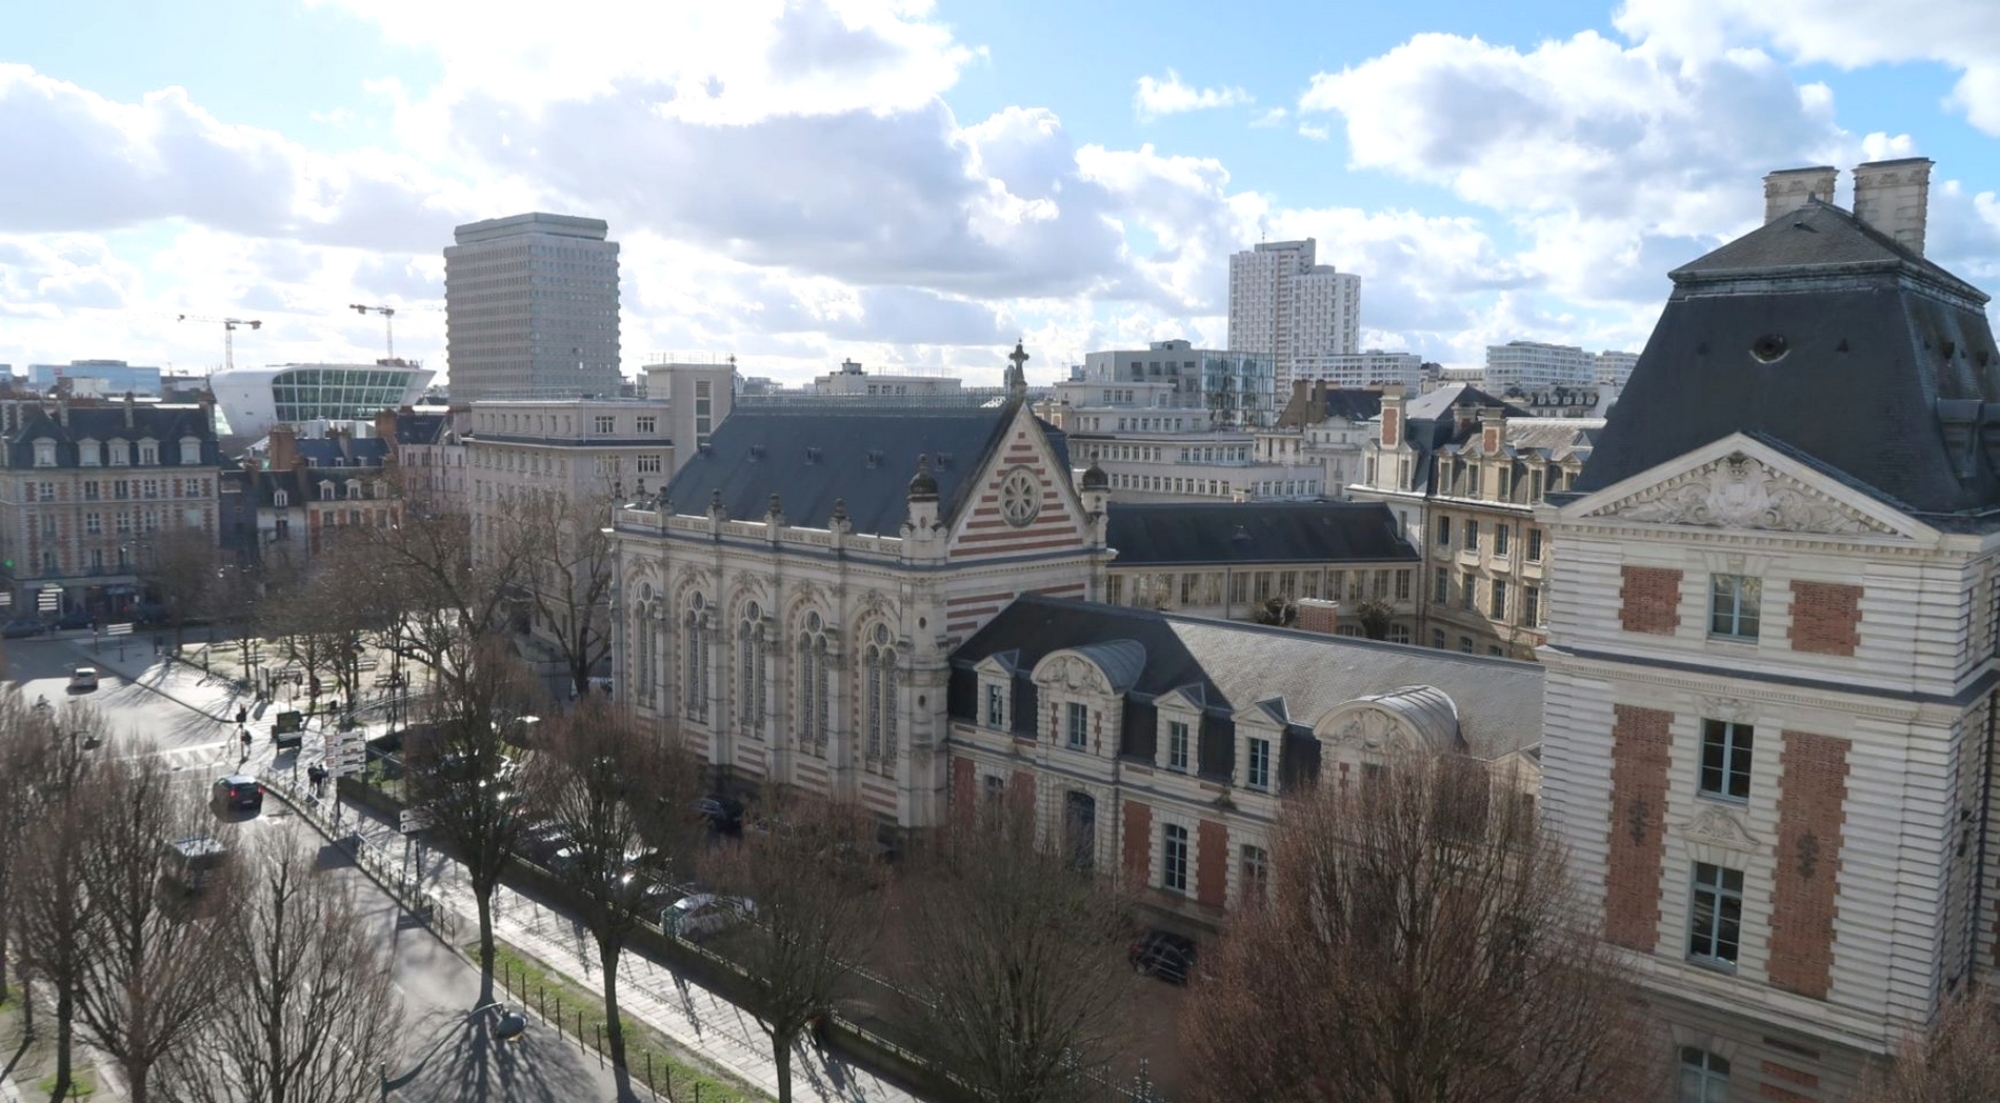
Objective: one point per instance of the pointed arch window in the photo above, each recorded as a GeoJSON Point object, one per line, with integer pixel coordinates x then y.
{"type": "Point", "coordinates": [694, 642]}
{"type": "Point", "coordinates": [881, 672]}
{"type": "Point", "coordinates": [645, 643]}
{"type": "Point", "coordinates": [750, 670]}
{"type": "Point", "coordinates": [811, 721]}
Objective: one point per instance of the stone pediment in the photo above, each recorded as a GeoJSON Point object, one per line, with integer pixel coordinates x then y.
{"type": "Point", "coordinates": [1739, 491]}
{"type": "Point", "coordinates": [1721, 827]}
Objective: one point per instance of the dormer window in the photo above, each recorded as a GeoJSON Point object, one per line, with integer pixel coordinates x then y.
{"type": "Point", "coordinates": [88, 453]}
{"type": "Point", "coordinates": [996, 706]}
{"type": "Point", "coordinates": [354, 488]}
{"type": "Point", "coordinates": [190, 451]}
{"type": "Point", "coordinates": [121, 452]}
{"type": "Point", "coordinates": [281, 499]}
{"type": "Point", "coordinates": [149, 453]}
{"type": "Point", "coordinates": [326, 489]}
{"type": "Point", "coordinates": [45, 453]}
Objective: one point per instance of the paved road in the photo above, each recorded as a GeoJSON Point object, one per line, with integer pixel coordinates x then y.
{"type": "Point", "coordinates": [445, 1058]}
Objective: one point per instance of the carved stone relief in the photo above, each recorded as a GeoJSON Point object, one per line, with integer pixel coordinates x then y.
{"type": "Point", "coordinates": [1738, 492]}
{"type": "Point", "coordinates": [1718, 826]}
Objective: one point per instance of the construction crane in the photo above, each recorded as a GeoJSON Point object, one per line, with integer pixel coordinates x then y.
{"type": "Point", "coordinates": [228, 333]}
{"type": "Point", "coordinates": [388, 314]}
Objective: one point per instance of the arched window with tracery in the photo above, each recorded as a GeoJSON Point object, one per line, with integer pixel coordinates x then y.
{"type": "Point", "coordinates": [645, 653]}
{"type": "Point", "coordinates": [812, 686]}
{"type": "Point", "coordinates": [880, 665]}
{"type": "Point", "coordinates": [750, 671]}
{"type": "Point", "coordinates": [694, 644]}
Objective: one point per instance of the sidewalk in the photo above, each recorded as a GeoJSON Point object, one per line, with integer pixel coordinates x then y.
{"type": "Point", "coordinates": [184, 685]}
{"type": "Point", "coordinates": [689, 1014]}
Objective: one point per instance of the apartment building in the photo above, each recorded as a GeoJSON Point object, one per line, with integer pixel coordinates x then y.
{"type": "Point", "coordinates": [1327, 426]}
{"type": "Point", "coordinates": [531, 309]}
{"type": "Point", "coordinates": [1286, 306]}
{"type": "Point", "coordinates": [1237, 390]}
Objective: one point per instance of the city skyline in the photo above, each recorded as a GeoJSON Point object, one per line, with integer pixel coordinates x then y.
{"type": "Point", "coordinates": [915, 187]}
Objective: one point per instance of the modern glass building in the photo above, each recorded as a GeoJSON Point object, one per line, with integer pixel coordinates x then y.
{"type": "Point", "coordinates": [253, 400]}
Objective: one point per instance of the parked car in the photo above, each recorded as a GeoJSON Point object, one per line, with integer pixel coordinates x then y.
{"type": "Point", "coordinates": [542, 842]}
{"type": "Point", "coordinates": [238, 793]}
{"type": "Point", "coordinates": [288, 730]}
{"type": "Point", "coordinates": [192, 862]}
{"type": "Point", "coordinates": [23, 628]}
{"type": "Point", "coordinates": [1164, 954]}
{"type": "Point", "coordinates": [704, 914]}
{"type": "Point", "coordinates": [724, 814]}
{"type": "Point", "coordinates": [75, 618]}
{"type": "Point", "coordinates": [83, 679]}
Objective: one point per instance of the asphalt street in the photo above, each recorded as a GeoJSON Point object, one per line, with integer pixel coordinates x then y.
{"type": "Point", "coordinates": [449, 1054]}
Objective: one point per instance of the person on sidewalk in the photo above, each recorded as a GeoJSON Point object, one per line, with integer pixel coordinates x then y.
{"type": "Point", "coordinates": [242, 715]}
{"type": "Point", "coordinates": [244, 735]}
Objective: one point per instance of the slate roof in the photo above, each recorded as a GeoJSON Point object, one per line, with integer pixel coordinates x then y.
{"type": "Point", "coordinates": [1464, 398]}
{"type": "Point", "coordinates": [1350, 404]}
{"type": "Point", "coordinates": [1872, 338]}
{"type": "Point", "coordinates": [346, 452]}
{"type": "Point", "coordinates": [413, 428]}
{"type": "Point", "coordinates": [1168, 533]}
{"type": "Point", "coordinates": [1229, 666]}
{"type": "Point", "coordinates": [864, 455]}
{"type": "Point", "coordinates": [167, 424]}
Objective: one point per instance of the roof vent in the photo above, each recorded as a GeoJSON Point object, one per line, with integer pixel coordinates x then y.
{"type": "Point", "coordinates": [1770, 348]}
{"type": "Point", "coordinates": [943, 461]}
{"type": "Point", "coordinates": [874, 457]}
{"type": "Point", "coordinates": [756, 451]}
{"type": "Point", "coordinates": [812, 454]}
{"type": "Point", "coordinates": [1959, 419]}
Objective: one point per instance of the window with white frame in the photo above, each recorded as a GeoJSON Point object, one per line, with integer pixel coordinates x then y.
{"type": "Point", "coordinates": [1531, 606]}
{"type": "Point", "coordinates": [648, 424]}
{"type": "Point", "coordinates": [1715, 923]}
{"type": "Point", "coordinates": [880, 661]}
{"type": "Point", "coordinates": [149, 453]}
{"type": "Point", "coordinates": [93, 524]}
{"type": "Point", "coordinates": [1257, 764]}
{"type": "Point", "coordinates": [606, 425]}
{"type": "Point", "coordinates": [88, 453]}
{"type": "Point", "coordinates": [45, 453]}
{"type": "Point", "coordinates": [121, 452]}
{"type": "Point", "coordinates": [190, 451]}
{"type": "Point", "coordinates": [1174, 858]}
{"type": "Point", "coordinates": [1178, 740]}
{"type": "Point", "coordinates": [1078, 726]}
{"type": "Point", "coordinates": [1735, 604]}
{"type": "Point", "coordinates": [1255, 874]}
{"type": "Point", "coordinates": [996, 706]}
{"type": "Point", "coordinates": [1704, 1076]}
{"type": "Point", "coordinates": [649, 465]}
{"type": "Point", "coordinates": [1725, 759]}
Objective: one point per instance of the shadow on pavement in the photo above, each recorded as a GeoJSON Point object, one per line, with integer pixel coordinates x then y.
{"type": "Point", "coordinates": [470, 1065]}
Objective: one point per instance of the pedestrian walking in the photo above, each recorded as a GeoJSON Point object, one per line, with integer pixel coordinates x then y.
{"type": "Point", "coordinates": [816, 1027]}
{"type": "Point", "coordinates": [242, 714]}
{"type": "Point", "coordinates": [244, 735]}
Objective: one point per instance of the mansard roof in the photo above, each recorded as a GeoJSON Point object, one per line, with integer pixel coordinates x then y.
{"type": "Point", "coordinates": [1817, 332]}
{"type": "Point", "coordinates": [1231, 666]}
{"type": "Point", "coordinates": [149, 421]}
{"type": "Point", "coordinates": [1456, 400]}
{"type": "Point", "coordinates": [862, 455]}
{"type": "Point", "coordinates": [1172, 533]}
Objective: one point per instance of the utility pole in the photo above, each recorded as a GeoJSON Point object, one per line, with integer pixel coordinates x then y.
{"type": "Point", "coordinates": [228, 333]}
{"type": "Point", "coordinates": [388, 314]}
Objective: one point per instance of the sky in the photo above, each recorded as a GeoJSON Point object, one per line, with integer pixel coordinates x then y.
{"type": "Point", "coordinates": [915, 185]}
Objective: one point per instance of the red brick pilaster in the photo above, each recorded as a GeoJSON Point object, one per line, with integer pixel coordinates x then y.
{"type": "Point", "coordinates": [1639, 757]}
{"type": "Point", "coordinates": [1826, 618]}
{"type": "Point", "coordinates": [1650, 600]}
{"type": "Point", "coordinates": [1138, 842]}
{"type": "Point", "coordinates": [1211, 868]}
{"type": "Point", "coordinates": [964, 791]}
{"type": "Point", "coordinates": [1811, 824]}
{"type": "Point", "coordinates": [1021, 792]}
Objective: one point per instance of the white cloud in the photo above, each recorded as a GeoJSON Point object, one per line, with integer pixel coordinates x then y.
{"type": "Point", "coordinates": [1314, 131]}
{"type": "Point", "coordinates": [1270, 116]}
{"type": "Point", "coordinates": [1155, 97]}
{"type": "Point", "coordinates": [1961, 34]}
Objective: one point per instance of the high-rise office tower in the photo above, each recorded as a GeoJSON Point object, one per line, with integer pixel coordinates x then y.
{"type": "Point", "coordinates": [1284, 306]}
{"type": "Point", "coordinates": [531, 309]}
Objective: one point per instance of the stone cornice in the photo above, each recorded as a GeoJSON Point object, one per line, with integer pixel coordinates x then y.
{"type": "Point", "coordinates": [1700, 680]}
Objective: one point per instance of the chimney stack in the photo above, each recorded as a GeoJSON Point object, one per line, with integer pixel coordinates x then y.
{"type": "Point", "coordinates": [1392, 416]}
{"type": "Point", "coordinates": [284, 452]}
{"type": "Point", "coordinates": [1893, 197]}
{"type": "Point", "coordinates": [1787, 190]}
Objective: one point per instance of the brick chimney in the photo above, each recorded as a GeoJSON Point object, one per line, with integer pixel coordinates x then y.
{"type": "Point", "coordinates": [1893, 197]}
{"type": "Point", "coordinates": [284, 450]}
{"type": "Point", "coordinates": [385, 427]}
{"type": "Point", "coordinates": [1787, 190]}
{"type": "Point", "coordinates": [1492, 423]}
{"type": "Point", "coordinates": [1317, 615]}
{"type": "Point", "coordinates": [1392, 416]}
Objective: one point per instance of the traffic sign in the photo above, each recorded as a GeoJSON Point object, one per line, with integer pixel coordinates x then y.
{"type": "Point", "coordinates": [416, 819]}
{"type": "Point", "coordinates": [47, 600]}
{"type": "Point", "coordinates": [118, 629]}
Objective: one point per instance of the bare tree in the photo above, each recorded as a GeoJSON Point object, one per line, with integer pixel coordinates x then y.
{"type": "Point", "coordinates": [1376, 617]}
{"type": "Point", "coordinates": [1956, 1061]}
{"type": "Point", "coordinates": [24, 751]}
{"type": "Point", "coordinates": [1419, 943]}
{"type": "Point", "coordinates": [52, 908]}
{"type": "Point", "coordinates": [1016, 959]}
{"type": "Point", "coordinates": [809, 872]}
{"type": "Point", "coordinates": [305, 1011]}
{"type": "Point", "coordinates": [181, 566]}
{"type": "Point", "coordinates": [568, 549]}
{"type": "Point", "coordinates": [148, 967]}
{"type": "Point", "coordinates": [453, 766]}
{"type": "Point", "coordinates": [618, 790]}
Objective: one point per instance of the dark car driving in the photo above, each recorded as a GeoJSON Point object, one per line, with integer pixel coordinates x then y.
{"type": "Point", "coordinates": [238, 793]}
{"type": "Point", "coordinates": [1164, 954]}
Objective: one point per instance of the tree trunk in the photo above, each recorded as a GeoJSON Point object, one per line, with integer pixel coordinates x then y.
{"type": "Point", "coordinates": [781, 1046]}
{"type": "Point", "coordinates": [614, 1025]}
{"type": "Point", "coordinates": [65, 1039]}
{"type": "Point", "coordinates": [484, 895]}
{"type": "Point", "coordinates": [135, 1083]}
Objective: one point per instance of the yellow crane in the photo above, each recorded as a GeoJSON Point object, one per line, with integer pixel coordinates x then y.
{"type": "Point", "coordinates": [388, 314]}
{"type": "Point", "coordinates": [229, 326]}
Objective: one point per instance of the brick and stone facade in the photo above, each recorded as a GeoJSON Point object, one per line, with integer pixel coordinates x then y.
{"type": "Point", "coordinates": [1650, 600]}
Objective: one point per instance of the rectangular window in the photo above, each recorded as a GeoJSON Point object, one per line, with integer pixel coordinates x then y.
{"type": "Point", "coordinates": [1704, 1077]}
{"type": "Point", "coordinates": [1402, 585]}
{"type": "Point", "coordinates": [1716, 927]}
{"type": "Point", "coordinates": [1465, 644]}
{"type": "Point", "coordinates": [1256, 874]}
{"type": "Point", "coordinates": [996, 707]}
{"type": "Point", "coordinates": [93, 524]}
{"type": "Point", "coordinates": [1444, 532]}
{"type": "Point", "coordinates": [648, 425]}
{"type": "Point", "coordinates": [1441, 585]}
{"type": "Point", "coordinates": [1734, 606]}
{"type": "Point", "coordinates": [606, 425]}
{"type": "Point", "coordinates": [1437, 638]}
{"type": "Point", "coordinates": [1258, 773]}
{"type": "Point", "coordinates": [1531, 606]}
{"type": "Point", "coordinates": [649, 465]}
{"type": "Point", "coordinates": [1471, 535]}
{"type": "Point", "coordinates": [1725, 759]}
{"type": "Point", "coordinates": [1079, 726]}
{"type": "Point", "coordinates": [1534, 545]}
{"type": "Point", "coordinates": [1174, 858]}
{"type": "Point", "coordinates": [1500, 540]}
{"type": "Point", "coordinates": [1177, 746]}
{"type": "Point", "coordinates": [1470, 597]}
{"type": "Point", "coordinates": [1499, 606]}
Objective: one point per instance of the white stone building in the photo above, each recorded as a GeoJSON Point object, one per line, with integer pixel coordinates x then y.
{"type": "Point", "coordinates": [1285, 306]}
{"type": "Point", "coordinates": [531, 309]}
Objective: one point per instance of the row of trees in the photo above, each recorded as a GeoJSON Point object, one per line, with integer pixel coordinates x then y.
{"type": "Point", "coordinates": [237, 989]}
